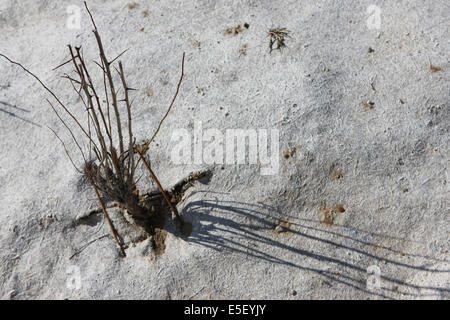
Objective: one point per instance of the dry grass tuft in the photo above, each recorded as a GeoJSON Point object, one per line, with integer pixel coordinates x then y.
{"type": "Point", "coordinates": [243, 50]}
{"type": "Point", "coordinates": [234, 30]}
{"type": "Point", "coordinates": [434, 68]}
{"type": "Point", "coordinates": [278, 37]}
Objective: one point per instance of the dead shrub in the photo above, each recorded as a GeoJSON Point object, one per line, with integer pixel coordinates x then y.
{"type": "Point", "coordinates": [110, 162]}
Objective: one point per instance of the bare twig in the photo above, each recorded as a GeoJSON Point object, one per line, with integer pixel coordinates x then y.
{"type": "Point", "coordinates": [86, 245]}
{"type": "Point", "coordinates": [170, 106]}
{"type": "Point", "coordinates": [166, 198]}
{"type": "Point", "coordinates": [62, 64]}
{"type": "Point", "coordinates": [65, 149]}
{"type": "Point", "coordinates": [107, 99]}
{"type": "Point", "coordinates": [92, 19]}
{"type": "Point", "coordinates": [95, 94]}
{"type": "Point", "coordinates": [118, 56]}
{"type": "Point", "coordinates": [106, 65]}
{"type": "Point", "coordinates": [102, 205]}
{"type": "Point", "coordinates": [68, 129]}
{"type": "Point", "coordinates": [49, 91]}
{"type": "Point", "coordinates": [130, 130]}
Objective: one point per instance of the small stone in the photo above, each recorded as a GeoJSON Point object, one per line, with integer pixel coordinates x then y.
{"type": "Point", "coordinates": [370, 50]}
{"type": "Point", "coordinates": [279, 229]}
{"type": "Point", "coordinates": [294, 293]}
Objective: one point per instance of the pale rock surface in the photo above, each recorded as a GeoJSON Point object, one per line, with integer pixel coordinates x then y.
{"type": "Point", "coordinates": [392, 158]}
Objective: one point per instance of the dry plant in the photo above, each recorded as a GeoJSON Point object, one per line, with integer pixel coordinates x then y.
{"type": "Point", "coordinates": [110, 162]}
{"type": "Point", "coordinates": [368, 105]}
{"type": "Point", "coordinates": [278, 36]}
{"type": "Point", "coordinates": [433, 67]}
{"type": "Point", "coordinates": [243, 50]}
{"type": "Point", "coordinates": [233, 30]}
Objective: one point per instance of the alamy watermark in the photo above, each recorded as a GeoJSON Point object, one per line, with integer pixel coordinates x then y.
{"type": "Point", "coordinates": [73, 281]}
{"type": "Point", "coordinates": [373, 282]}
{"type": "Point", "coordinates": [212, 146]}
{"type": "Point", "coordinates": [374, 18]}
{"type": "Point", "coordinates": [74, 17]}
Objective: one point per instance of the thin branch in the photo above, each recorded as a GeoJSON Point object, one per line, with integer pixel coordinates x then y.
{"type": "Point", "coordinates": [130, 131]}
{"type": "Point", "coordinates": [170, 106]}
{"type": "Point", "coordinates": [172, 207]}
{"type": "Point", "coordinates": [49, 91]}
{"type": "Point", "coordinates": [65, 149]}
{"type": "Point", "coordinates": [62, 64]}
{"type": "Point", "coordinates": [112, 89]}
{"type": "Point", "coordinates": [98, 64]}
{"type": "Point", "coordinates": [79, 70]}
{"type": "Point", "coordinates": [102, 205]}
{"type": "Point", "coordinates": [118, 56]}
{"type": "Point", "coordinates": [109, 75]}
{"type": "Point", "coordinates": [95, 95]}
{"type": "Point", "coordinates": [91, 142]}
{"type": "Point", "coordinates": [92, 19]}
{"type": "Point", "coordinates": [66, 76]}
{"type": "Point", "coordinates": [68, 129]}
{"type": "Point", "coordinates": [86, 245]}
{"type": "Point", "coordinates": [107, 100]}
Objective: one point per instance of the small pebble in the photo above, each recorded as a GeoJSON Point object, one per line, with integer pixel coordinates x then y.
{"type": "Point", "coordinates": [294, 293]}
{"type": "Point", "coordinates": [279, 229]}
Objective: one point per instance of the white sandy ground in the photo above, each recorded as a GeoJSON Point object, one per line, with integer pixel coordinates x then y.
{"type": "Point", "coordinates": [394, 158]}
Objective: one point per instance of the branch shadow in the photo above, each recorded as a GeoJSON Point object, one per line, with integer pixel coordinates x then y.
{"type": "Point", "coordinates": [232, 226]}
{"type": "Point", "coordinates": [14, 115]}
